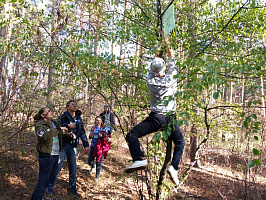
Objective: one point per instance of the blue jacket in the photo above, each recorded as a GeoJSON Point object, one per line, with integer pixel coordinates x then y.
{"type": "Point", "coordinates": [96, 134]}
{"type": "Point", "coordinates": [79, 131]}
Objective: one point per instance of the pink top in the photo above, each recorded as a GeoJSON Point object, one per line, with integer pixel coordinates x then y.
{"type": "Point", "coordinates": [102, 147]}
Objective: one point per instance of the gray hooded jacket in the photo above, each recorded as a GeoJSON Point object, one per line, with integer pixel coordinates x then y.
{"type": "Point", "coordinates": [163, 87]}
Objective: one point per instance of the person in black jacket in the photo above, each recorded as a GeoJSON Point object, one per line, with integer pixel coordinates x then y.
{"type": "Point", "coordinates": [73, 121]}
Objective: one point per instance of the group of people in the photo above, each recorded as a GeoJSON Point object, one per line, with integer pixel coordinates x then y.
{"type": "Point", "coordinates": [59, 138]}
{"type": "Point", "coordinates": [63, 137]}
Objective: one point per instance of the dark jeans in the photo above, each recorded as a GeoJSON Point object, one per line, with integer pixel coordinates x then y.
{"type": "Point", "coordinates": [69, 151]}
{"type": "Point", "coordinates": [91, 162]}
{"type": "Point", "coordinates": [151, 124]}
{"type": "Point", "coordinates": [47, 166]}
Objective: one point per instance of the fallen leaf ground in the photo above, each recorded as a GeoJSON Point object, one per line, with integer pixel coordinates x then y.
{"type": "Point", "coordinates": [219, 177]}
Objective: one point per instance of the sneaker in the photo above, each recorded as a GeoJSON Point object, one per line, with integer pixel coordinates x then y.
{"type": "Point", "coordinates": [49, 191]}
{"type": "Point", "coordinates": [73, 192]}
{"type": "Point", "coordinates": [136, 165]}
{"type": "Point", "coordinates": [173, 174]}
{"type": "Point", "coordinates": [96, 179]}
{"type": "Point", "coordinates": [92, 170]}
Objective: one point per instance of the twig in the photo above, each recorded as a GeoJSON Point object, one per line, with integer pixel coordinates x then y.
{"type": "Point", "coordinates": [224, 197]}
{"type": "Point", "coordinates": [231, 19]}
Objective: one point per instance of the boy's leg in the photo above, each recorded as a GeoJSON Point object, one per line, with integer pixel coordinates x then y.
{"type": "Point", "coordinates": [91, 160]}
{"type": "Point", "coordinates": [179, 141]}
{"type": "Point", "coordinates": [151, 124]}
{"type": "Point", "coordinates": [98, 167]}
{"type": "Point", "coordinates": [72, 166]}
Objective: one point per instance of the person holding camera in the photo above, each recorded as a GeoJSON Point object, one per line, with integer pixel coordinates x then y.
{"type": "Point", "coordinates": [71, 119]}
{"type": "Point", "coordinates": [99, 145]}
{"type": "Point", "coordinates": [49, 134]}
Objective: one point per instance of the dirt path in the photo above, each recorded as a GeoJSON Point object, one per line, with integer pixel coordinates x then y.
{"type": "Point", "coordinates": [214, 180]}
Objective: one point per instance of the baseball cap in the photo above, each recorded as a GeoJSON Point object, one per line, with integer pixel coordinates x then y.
{"type": "Point", "coordinates": [158, 66]}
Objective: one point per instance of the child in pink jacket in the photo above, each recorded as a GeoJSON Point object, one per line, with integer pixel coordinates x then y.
{"type": "Point", "coordinates": [100, 145]}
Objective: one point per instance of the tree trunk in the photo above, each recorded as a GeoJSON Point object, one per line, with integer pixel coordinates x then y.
{"type": "Point", "coordinates": [193, 146]}
{"type": "Point", "coordinates": [194, 135]}
{"type": "Point", "coordinates": [262, 98]}
{"type": "Point", "coordinates": [98, 24]}
{"type": "Point", "coordinates": [243, 109]}
{"type": "Point", "coordinates": [162, 172]}
{"type": "Point", "coordinates": [51, 72]}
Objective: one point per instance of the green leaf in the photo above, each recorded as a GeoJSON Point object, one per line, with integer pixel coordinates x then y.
{"type": "Point", "coordinates": [208, 69]}
{"type": "Point", "coordinates": [34, 73]}
{"type": "Point", "coordinates": [186, 114]}
{"type": "Point", "coordinates": [157, 137]}
{"type": "Point", "coordinates": [256, 138]}
{"type": "Point", "coordinates": [254, 116]}
{"type": "Point", "coordinates": [251, 163]}
{"type": "Point", "coordinates": [168, 132]}
{"type": "Point", "coordinates": [257, 161]}
{"type": "Point", "coordinates": [248, 119]}
{"type": "Point", "coordinates": [174, 121]}
{"type": "Point", "coordinates": [245, 124]}
{"type": "Point", "coordinates": [165, 135]}
{"type": "Point", "coordinates": [247, 133]}
{"type": "Point", "coordinates": [179, 122]}
{"type": "Point", "coordinates": [256, 152]}
{"type": "Point", "coordinates": [215, 95]}
{"type": "Point", "coordinates": [165, 103]}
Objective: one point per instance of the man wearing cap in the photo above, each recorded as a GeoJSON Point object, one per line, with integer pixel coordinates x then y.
{"type": "Point", "coordinates": [108, 119]}
{"type": "Point", "coordinates": [161, 85]}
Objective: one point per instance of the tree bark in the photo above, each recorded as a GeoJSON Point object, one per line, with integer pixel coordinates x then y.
{"type": "Point", "coordinates": [162, 172]}
{"type": "Point", "coordinates": [51, 71]}
{"type": "Point", "coordinates": [262, 97]}
{"type": "Point", "coordinates": [193, 146]}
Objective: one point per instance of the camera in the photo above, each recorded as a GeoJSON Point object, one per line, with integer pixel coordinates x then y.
{"type": "Point", "coordinates": [78, 113]}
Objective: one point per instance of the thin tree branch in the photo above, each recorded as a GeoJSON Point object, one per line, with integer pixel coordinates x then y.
{"type": "Point", "coordinates": [142, 11]}
{"type": "Point", "coordinates": [168, 6]}
{"type": "Point", "coordinates": [219, 107]}
{"type": "Point", "coordinates": [231, 19]}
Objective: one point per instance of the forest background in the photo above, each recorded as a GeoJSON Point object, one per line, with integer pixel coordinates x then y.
{"type": "Point", "coordinates": [98, 52]}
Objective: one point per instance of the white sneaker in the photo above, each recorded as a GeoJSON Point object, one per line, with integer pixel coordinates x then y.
{"type": "Point", "coordinates": [136, 165]}
{"type": "Point", "coordinates": [173, 173]}
{"type": "Point", "coordinates": [92, 170]}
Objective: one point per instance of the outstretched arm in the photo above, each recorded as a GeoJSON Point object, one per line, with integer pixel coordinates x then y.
{"type": "Point", "coordinates": [165, 39]}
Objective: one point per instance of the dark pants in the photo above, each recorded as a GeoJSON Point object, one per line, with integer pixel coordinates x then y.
{"type": "Point", "coordinates": [70, 152]}
{"type": "Point", "coordinates": [151, 124]}
{"type": "Point", "coordinates": [47, 166]}
{"type": "Point", "coordinates": [91, 162]}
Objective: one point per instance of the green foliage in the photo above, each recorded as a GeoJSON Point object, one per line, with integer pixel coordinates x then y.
{"type": "Point", "coordinates": [217, 48]}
